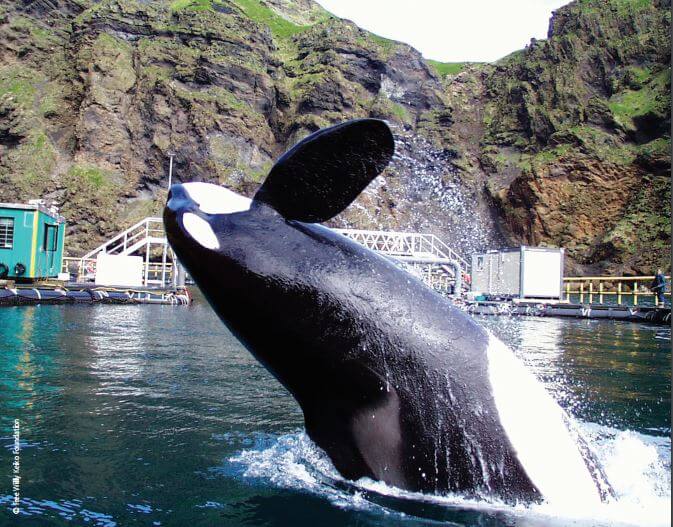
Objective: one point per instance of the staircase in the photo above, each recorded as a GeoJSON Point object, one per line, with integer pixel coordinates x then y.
{"type": "Point", "coordinates": [145, 236]}
{"type": "Point", "coordinates": [138, 236]}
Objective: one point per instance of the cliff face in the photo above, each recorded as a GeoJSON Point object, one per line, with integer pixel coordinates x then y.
{"type": "Point", "coordinates": [562, 143]}
{"type": "Point", "coordinates": [576, 142]}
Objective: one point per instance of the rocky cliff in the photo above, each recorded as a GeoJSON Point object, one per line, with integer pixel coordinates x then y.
{"type": "Point", "coordinates": [564, 143]}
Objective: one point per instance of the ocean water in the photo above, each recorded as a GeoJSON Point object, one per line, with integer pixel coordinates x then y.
{"type": "Point", "coordinates": [155, 415]}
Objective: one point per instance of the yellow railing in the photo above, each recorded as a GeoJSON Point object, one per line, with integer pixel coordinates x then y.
{"type": "Point", "coordinates": [590, 288]}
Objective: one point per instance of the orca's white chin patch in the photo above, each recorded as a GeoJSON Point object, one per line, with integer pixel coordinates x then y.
{"type": "Point", "coordinates": [200, 230]}
{"type": "Point", "coordinates": [536, 426]}
{"type": "Point", "coordinates": [213, 199]}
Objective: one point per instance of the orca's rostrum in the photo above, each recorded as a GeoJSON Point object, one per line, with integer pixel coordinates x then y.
{"type": "Point", "coordinates": [394, 382]}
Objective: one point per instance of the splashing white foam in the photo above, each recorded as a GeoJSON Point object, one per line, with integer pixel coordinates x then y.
{"type": "Point", "coordinates": [637, 466]}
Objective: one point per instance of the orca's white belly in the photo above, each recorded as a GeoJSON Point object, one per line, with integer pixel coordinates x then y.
{"type": "Point", "coordinates": [536, 426]}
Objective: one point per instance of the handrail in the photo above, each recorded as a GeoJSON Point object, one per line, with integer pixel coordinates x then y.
{"type": "Point", "coordinates": [142, 223]}
{"type": "Point", "coordinates": [411, 242]}
{"type": "Point", "coordinates": [393, 243]}
{"type": "Point", "coordinates": [141, 235]}
{"type": "Point", "coordinates": [635, 285]}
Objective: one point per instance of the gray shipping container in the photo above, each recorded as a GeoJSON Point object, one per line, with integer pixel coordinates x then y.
{"type": "Point", "coordinates": [524, 272]}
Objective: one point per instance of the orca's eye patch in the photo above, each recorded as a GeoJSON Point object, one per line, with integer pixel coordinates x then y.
{"type": "Point", "coordinates": [200, 230]}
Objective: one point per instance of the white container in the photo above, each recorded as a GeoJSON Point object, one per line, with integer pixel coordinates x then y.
{"type": "Point", "coordinates": [119, 270]}
{"type": "Point", "coordinates": [524, 272]}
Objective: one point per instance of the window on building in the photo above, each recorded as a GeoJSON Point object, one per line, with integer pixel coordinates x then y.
{"type": "Point", "coordinates": [6, 233]}
{"type": "Point", "coordinates": [50, 237]}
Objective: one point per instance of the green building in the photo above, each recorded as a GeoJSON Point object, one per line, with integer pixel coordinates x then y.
{"type": "Point", "coordinates": [31, 241]}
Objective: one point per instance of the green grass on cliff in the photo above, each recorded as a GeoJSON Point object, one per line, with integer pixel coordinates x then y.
{"type": "Point", "coordinates": [253, 9]}
{"type": "Point", "coordinates": [15, 82]}
{"type": "Point", "coordinates": [27, 169]}
{"type": "Point", "coordinates": [447, 68]}
{"type": "Point", "coordinates": [646, 224]}
{"type": "Point", "coordinates": [623, 7]}
{"type": "Point", "coordinates": [386, 43]}
{"type": "Point", "coordinates": [194, 5]}
{"type": "Point", "coordinates": [260, 13]}
{"type": "Point", "coordinates": [651, 98]}
{"type": "Point", "coordinates": [39, 159]}
{"type": "Point", "coordinates": [660, 147]}
{"type": "Point", "coordinates": [89, 175]}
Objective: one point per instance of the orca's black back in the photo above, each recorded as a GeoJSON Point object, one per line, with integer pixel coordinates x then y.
{"type": "Point", "coordinates": [347, 331]}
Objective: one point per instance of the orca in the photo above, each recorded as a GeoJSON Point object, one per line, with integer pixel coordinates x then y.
{"type": "Point", "coordinates": [395, 383]}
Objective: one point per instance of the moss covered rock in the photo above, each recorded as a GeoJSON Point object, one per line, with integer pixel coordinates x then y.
{"type": "Point", "coordinates": [563, 143]}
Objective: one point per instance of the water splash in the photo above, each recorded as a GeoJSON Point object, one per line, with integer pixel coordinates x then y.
{"type": "Point", "coordinates": [422, 191]}
{"type": "Point", "coordinates": [637, 466]}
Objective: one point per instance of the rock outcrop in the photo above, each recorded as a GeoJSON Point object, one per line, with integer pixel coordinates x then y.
{"type": "Point", "coordinates": [577, 147]}
{"type": "Point", "coordinates": [563, 143]}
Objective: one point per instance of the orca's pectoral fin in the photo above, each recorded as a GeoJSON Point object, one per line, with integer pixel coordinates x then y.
{"type": "Point", "coordinates": [322, 174]}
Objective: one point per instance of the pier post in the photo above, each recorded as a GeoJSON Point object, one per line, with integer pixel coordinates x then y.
{"type": "Point", "coordinates": [635, 293]}
{"type": "Point", "coordinates": [600, 292]}
{"type": "Point", "coordinates": [619, 293]}
{"type": "Point", "coordinates": [581, 292]}
{"type": "Point", "coordinates": [591, 292]}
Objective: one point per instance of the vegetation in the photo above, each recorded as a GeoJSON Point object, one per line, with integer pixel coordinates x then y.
{"type": "Point", "coordinates": [260, 13]}
{"type": "Point", "coordinates": [651, 98]}
{"type": "Point", "coordinates": [447, 68]}
{"type": "Point", "coordinates": [385, 43]}
{"type": "Point", "coordinates": [646, 224]}
{"type": "Point", "coordinates": [18, 82]}
{"type": "Point", "coordinates": [194, 5]}
{"type": "Point", "coordinates": [89, 175]}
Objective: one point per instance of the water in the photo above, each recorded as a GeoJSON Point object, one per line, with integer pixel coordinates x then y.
{"type": "Point", "coordinates": [155, 415]}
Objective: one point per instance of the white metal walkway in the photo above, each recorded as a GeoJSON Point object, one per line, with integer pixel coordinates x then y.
{"type": "Point", "coordinates": [425, 255]}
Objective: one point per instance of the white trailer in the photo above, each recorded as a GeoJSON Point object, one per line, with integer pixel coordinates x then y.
{"type": "Point", "coordinates": [524, 272]}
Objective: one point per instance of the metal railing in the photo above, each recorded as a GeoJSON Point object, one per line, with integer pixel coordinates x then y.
{"type": "Point", "coordinates": [84, 270]}
{"type": "Point", "coordinates": [611, 289]}
{"type": "Point", "coordinates": [405, 244]}
{"type": "Point", "coordinates": [147, 235]}
{"type": "Point", "coordinates": [425, 255]}
{"type": "Point", "coordinates": [132, 239]}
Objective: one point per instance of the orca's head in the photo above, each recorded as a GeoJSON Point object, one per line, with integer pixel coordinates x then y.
{"type": "Point", "coordinates": [312, 182]}
{"type": "Point", "coordinates": [189, 214]}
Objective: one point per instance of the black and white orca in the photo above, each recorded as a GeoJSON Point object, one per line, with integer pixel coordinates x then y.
{"type": "Point", "coordinates": [395, 383]}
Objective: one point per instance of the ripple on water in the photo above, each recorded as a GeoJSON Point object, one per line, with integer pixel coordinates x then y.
{"type": "Point", "coordinates": [125, 410]}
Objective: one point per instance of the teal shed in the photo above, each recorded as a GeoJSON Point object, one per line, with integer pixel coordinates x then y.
{"type": "Point", "coordinates": [31, 241]}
